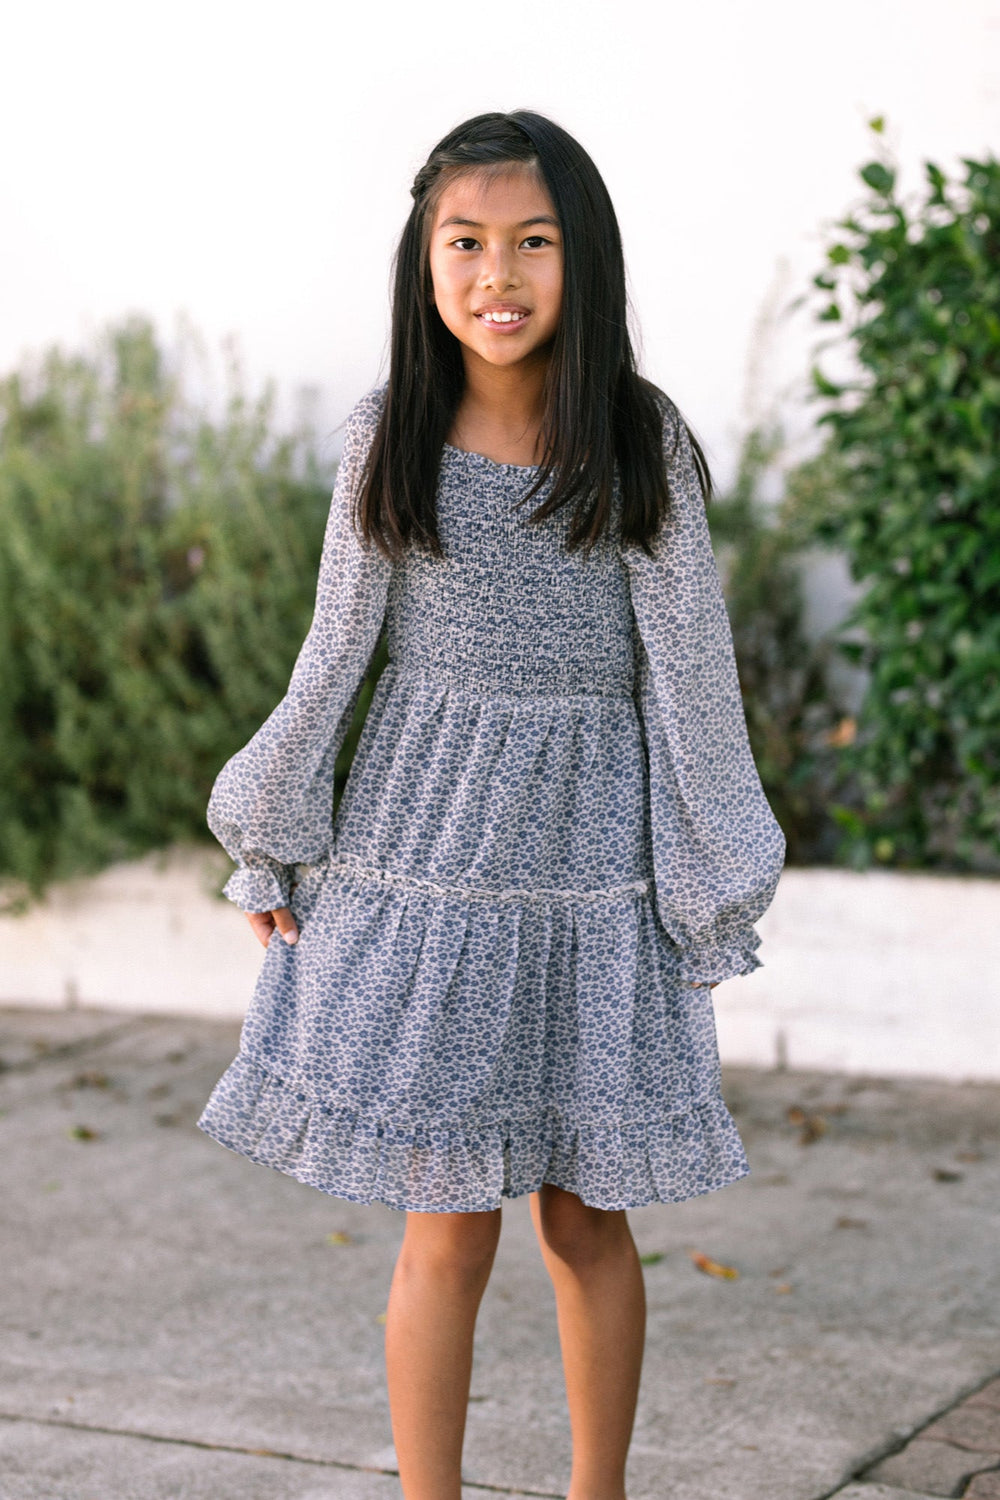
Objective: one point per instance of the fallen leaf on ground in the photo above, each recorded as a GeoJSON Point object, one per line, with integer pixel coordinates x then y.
{"type": "Point", "coordinates": [783, 1286]}
{"type": "Point", "coordinates": [91, 1079]}
{"type": "Point", "coordinates": [813, 1126]}
{"type": "Point", "coordinates": [653, 1258]}
{"type": "Point", "coordinates": [713, 1267]}
{"type": "Point", "coordinates": [338, 1237]}
{"type": "Point", "coordinates": [846, 1222]}
{"type": "Point", "coordinates": [945, 1174]}
{"type": "Point", "coordinates": [84, 1133]}
{"type": "Point", "coordinates": [381, 1317]}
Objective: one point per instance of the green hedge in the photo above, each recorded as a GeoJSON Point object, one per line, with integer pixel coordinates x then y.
{"type": "Point", "coordinates": [912, 292]}
{"type": "Point", "coordinates": [793, 719]}
{"type": "Point", "coordinates": [157, 572]}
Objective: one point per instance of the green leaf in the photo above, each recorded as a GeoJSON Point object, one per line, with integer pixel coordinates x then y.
{"type": "Point", "coordinates": [879, 178]}
{"type": "Point", "coordinates": [824, 386]}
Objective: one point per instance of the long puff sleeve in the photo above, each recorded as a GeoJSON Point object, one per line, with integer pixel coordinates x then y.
{"type": "Point", "coordinates": [717, 847]}
{"type": "Point", "coordinates": [272, 803]}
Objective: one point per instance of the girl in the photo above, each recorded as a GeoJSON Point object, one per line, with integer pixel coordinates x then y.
{"type": "Point", "coordinates": [490, 975]}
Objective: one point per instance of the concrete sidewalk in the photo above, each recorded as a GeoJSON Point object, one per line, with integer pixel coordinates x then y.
{"type": "Point", "coordinates": [179, 1324]}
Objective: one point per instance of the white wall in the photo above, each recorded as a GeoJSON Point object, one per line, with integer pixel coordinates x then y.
{"type": "Point", "coordinates": [880, 972]}
{"type": "Point", "coordinates": [877, 973]}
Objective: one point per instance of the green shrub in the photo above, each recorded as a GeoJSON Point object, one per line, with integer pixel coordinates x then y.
{"type": "Point", "coordinates": [792, 716]}
{"type": "Point", "coordinates": [157, 575]}
{"type": "Point", "coordinates": [915, 289]}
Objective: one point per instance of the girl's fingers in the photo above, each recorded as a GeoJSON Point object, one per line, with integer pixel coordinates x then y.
{"type": "Point", "coordinates": [265, 923]}
{"type": "Point", "coordinates": [262, 923]}
{"type": "Point", "coordinates": [285, 923]}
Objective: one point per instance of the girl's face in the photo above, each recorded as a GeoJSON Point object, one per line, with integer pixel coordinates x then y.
{"type": "Point", "coordinates": [496, 249]}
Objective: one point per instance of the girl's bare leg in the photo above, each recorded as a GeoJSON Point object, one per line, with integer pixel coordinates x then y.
{"type": "Point", "coordinates": [441, 1273]}
{"type": "Point", "coordinates": [601, 1304]}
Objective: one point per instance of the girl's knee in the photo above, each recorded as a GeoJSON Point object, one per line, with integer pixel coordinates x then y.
{"type": "Point", "coordinates": [458, 1246]}
{"type": "Point", "coordinates": [575, 1233]}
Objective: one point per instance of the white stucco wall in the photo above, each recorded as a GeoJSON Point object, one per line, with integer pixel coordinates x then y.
{"type": "Point", "coordinates": [874, 973]}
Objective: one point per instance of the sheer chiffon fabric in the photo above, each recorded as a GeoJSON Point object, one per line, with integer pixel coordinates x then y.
{"type": "Point", "coordinates": [552, 831]}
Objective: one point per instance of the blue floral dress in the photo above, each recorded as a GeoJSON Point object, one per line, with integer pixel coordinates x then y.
{"type": "Point", "coordinates": [552, 832]}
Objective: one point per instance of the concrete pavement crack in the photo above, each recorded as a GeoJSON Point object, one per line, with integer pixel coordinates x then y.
{"type": "Point", "coordinates": [900, 1442]}
{"type": "Point", "coordinates": [320, 1463]}
{"type": "Point", "coordinates": [71, 1049]}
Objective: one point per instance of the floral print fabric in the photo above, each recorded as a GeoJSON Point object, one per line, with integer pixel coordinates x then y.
{"type": "Point", "coordinates": [552, 832]}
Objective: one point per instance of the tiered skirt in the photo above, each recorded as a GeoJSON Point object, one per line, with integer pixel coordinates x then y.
{"type": "Point", "coordinates": [483, 997]}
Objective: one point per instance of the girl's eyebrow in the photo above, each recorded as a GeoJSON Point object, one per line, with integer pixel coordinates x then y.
{"type": "Point", "coordinates": [525, 223]}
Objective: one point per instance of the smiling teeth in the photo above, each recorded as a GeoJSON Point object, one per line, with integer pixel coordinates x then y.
{"type": "Point", "coordinates": [503, 317]}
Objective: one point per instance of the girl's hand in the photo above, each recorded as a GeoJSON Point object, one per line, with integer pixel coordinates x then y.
{"type": "Point", "coordinates": [264, 924]}
{"type": "Point", "coordinates": [696, 986]}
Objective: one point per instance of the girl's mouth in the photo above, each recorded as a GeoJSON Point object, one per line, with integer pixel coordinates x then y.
{"type": "Point", "coordinates": [503, 322]}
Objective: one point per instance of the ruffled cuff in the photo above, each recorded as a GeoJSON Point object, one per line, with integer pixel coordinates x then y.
{"type": "Point", "coordinates": [713, 963]}
{"type": "Point", "coordinates": [260, 890]}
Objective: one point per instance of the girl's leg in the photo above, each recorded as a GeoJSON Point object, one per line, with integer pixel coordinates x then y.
{"type": "Point", "coordinates": [601, 1305]}
{"type": "Point", "coordinates": [441, 1273]}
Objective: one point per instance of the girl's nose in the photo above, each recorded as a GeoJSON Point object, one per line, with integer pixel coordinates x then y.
{"type": "Point", "coordinates": [498, 271]}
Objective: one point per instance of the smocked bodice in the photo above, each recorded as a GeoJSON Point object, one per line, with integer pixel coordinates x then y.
{"type": "Point", "coordinates": [546, 621]}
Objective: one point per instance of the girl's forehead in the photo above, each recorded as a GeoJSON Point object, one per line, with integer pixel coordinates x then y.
{"type": "Point", "coordinates": [505, 192]}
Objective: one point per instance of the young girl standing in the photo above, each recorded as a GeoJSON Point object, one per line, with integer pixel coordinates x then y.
{"type": "Point", "coordinates": [491, 973]}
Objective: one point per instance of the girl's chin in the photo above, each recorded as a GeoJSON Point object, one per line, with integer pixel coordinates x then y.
{"type": "Point", "coordinates": [503, 351]}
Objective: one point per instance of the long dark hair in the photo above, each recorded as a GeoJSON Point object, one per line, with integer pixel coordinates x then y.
{"type": "Point", "coordinates": [598, 410]}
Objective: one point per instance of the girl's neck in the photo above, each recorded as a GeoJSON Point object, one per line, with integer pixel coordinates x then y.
{"type": "Point", "coordinates": [500, 412]}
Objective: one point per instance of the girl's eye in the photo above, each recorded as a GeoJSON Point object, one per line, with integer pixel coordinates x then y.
{"type": "Point", "coordinates": [535, 241]}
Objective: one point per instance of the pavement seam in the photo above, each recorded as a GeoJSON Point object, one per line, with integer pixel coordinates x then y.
{"type": "Point", "coordinates": [320, 1463]}
{"type": "Point", "coordinates": [857, 1475]}
{"type": "Point", "coordinates": [72, 1049]}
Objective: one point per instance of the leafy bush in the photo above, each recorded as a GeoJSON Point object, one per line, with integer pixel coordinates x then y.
{"type": "Point", "coordinates": [793, 718]}
{"type": "Point", "coordinates": [157, 574]}
{"type": "Point", "coordinates": [913, 436]}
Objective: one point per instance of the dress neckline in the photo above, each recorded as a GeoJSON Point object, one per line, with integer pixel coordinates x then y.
{"type": "Point", "coordinates": [490, 462]}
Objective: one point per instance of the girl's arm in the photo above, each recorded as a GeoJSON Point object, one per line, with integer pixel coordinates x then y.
{"type": "Point", "coordinates": [717, 848]}
{"type": "Point", "coordinates": [271, 805]}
